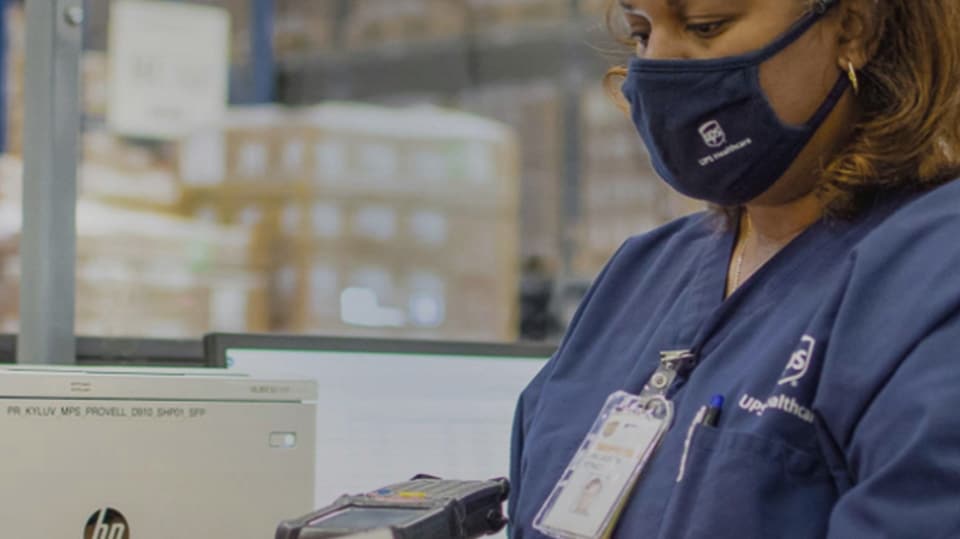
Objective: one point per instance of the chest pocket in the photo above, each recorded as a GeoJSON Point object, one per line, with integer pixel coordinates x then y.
{"type": "Point", "coordinates": [741, 485]}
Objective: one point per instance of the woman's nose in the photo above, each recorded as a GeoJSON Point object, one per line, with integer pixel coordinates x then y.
{"type": "Point", "coordinates": [665, 45]}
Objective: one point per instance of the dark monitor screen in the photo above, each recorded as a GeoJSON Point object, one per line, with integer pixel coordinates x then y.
{"type": "Point", "coordinates": [126, 352]}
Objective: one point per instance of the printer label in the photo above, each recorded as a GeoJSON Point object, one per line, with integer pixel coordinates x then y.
{"type": "Point", "coordinates": [104, 411]}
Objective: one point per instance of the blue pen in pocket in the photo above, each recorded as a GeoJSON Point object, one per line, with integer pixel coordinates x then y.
{"type": "Point", "coordinates": [712, 415]}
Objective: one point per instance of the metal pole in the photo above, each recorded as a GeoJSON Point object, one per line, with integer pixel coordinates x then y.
{"type": "Point", "coordinates": [4, 101]}
{"type": "Point", "coordinates": [263, 62]}
{"type": "Point", "coordinates": [48, 239]}
{"type": "Point", "coordinates": [573, 83]}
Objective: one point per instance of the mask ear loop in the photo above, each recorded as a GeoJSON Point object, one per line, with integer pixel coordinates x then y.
{"type": "Point", "coordinates": [821, 6]}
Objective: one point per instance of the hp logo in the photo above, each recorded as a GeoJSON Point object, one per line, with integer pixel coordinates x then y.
{"type": "Point", "coordinates": [106, 523]}
{"type": "Point", "coordinates": [713, 135]}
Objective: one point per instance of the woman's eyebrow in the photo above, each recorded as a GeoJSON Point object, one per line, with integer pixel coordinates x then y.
{"type": "Point", "coordinates": [678, 6]}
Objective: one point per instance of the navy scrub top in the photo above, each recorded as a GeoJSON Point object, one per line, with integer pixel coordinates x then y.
{"type": "Point", "coordinates": [862, 440]}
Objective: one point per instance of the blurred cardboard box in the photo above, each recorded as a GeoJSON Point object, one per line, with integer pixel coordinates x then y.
{"type": "Point", "coordinates": [534, 112]}
{"type": "Point", "coordinates": [303, 26]}
{"type": "Point", "coordinates": [423, 268]}
{"type": "Point", "coordinates": [372, 23]}
{"type": "Point", "coordinates": [507, 15]}
{"type": "Point", "coordinates": [372, 220]}
{"type": "Point", "coordinates": [366, 294]}
{"type": "Point", "coordinates": [378, 266]}
{"type": "Point", "coordinates": [149, 275]}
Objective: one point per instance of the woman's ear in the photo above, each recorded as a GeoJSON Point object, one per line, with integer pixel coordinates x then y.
{"type": "Point", "coordinates": [861, 28]}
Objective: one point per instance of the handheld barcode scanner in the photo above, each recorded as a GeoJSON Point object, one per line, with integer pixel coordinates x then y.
{"type": "Point", "coordinates": [422, 508]}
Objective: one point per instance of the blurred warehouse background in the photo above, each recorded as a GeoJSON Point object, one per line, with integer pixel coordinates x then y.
{"type": "Point", "coordinates": [439, 169]}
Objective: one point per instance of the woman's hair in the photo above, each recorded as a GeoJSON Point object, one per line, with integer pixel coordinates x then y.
{"type": "Point", "coordinates": [908, 136]}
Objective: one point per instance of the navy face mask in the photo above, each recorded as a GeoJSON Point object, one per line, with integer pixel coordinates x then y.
{"type": "Point", "coordinates": [709, 127]}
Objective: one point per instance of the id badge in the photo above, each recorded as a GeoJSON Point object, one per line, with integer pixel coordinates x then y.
{"type": "Point", "coordinates": [593, 490]}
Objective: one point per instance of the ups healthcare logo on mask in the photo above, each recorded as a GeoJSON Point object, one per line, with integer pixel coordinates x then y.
{"type": "Point", "coordinates": [106, 523]}
{"type": "Point", "coordinates": [713, 135]}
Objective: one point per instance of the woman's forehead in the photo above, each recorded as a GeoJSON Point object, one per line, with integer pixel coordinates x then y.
{"type": "Point", "coordinates": [684, 6]}
{"type": "Point", "coordinates": [646, 5]}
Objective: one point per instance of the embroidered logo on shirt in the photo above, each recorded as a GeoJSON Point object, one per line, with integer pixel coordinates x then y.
{"type": "Point", "coordinates": [799, 362]}
{"type": "Point", "coordinates": [782, 403]}
{"type": "Point", "coordinates": [797, 367]}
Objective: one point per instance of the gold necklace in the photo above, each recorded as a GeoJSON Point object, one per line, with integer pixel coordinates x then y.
{"type": "Point", "coordinates": [738, 264]}
{"type": "Point", "coordinates": [736, 271]}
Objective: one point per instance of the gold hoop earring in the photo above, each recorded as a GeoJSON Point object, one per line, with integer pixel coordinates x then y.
{"type": "Point", "coordinates": [854, 81]}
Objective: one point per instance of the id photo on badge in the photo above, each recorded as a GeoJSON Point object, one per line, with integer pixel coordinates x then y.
{"type": "Point", "coordinates": [588, 496]}
{"type": "Point", "coordinates": [584, 504]}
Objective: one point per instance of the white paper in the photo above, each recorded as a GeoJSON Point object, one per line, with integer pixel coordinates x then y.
{"type": "Point", "coordinates": [168, 67]}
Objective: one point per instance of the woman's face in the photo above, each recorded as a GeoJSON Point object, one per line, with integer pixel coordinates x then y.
{"type": "Point", "coordinates": [796, 81]}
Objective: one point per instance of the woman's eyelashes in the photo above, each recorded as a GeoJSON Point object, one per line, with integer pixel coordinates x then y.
{"type": "Point", "coordinates": [708, 29]}
{"type": "Point", "coordinates": [701, 30]}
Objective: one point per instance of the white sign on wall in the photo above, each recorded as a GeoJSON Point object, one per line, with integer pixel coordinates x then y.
{"type": "Point", "coordinates": [169, 67]}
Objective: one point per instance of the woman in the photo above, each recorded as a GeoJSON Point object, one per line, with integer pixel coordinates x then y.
{"type": "Point", "coordinates": [807, 333]}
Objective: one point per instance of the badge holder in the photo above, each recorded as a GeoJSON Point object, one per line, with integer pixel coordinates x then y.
{"type": "Point", "coordinates": [587, 501]}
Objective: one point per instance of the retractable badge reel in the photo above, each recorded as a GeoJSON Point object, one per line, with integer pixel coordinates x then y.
{"type": "Point", "coordinates": [598, 482]}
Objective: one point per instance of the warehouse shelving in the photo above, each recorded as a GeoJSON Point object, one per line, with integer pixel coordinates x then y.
{"type": "Point", "coordinates": [571, 53]}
